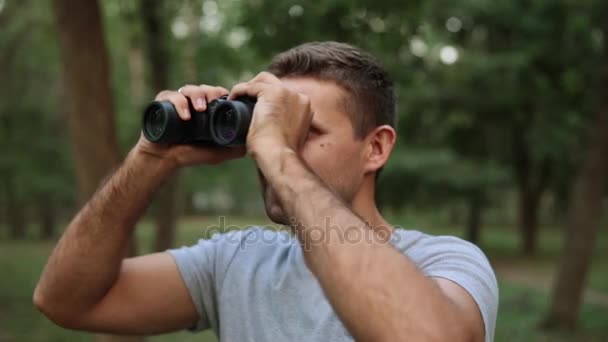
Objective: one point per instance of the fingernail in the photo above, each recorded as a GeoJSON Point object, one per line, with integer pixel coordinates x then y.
{"type": "Point", "coordinates": [187, 112]}
{"type": "Point", "coordinates": [200, 102]}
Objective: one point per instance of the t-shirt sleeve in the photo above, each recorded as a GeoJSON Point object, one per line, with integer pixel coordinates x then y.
{"type": "Point", "coordinates": [203, 267]}
{"type": "Point", "coordinates": [466, 265]}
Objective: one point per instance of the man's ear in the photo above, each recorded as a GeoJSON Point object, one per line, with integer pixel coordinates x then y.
{"type": "Point", "coordinates": [379, 145]}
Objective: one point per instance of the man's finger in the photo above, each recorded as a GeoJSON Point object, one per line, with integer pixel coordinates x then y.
{"type": "Point", "coordinates": [196, 95]}
{"type": "Point", "coordinates": [201, 95]}
{"type": "Point", "coordinates": [253, 89]}
{"type": "Point", "coordinates": [266, 77]}
{"type": "Point", "coordinates": [217, 92]}
{"type": "Point", "coordinates": [179, 101]}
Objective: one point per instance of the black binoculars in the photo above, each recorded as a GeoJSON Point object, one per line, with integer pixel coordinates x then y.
{"type": "Point", "coordinates": [223, 123]}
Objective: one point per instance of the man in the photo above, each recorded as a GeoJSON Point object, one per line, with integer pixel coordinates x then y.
{"type": "Point", "coordinates": [322, 129]}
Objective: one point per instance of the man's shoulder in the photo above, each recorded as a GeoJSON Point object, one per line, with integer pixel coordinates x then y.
{"type": "Point", "coordinates": [255, 234]}
{"type": "Point", "coordinates": [254, 239]}
{"type": "Point", "coordinates": [457, 260]}
{"type": "Point", "coordinates": [414, 240]}
{"type": "Point", "coordinates": [224, 245]}
{"type": "Point", "coordinates": [407, 241]}
{"type": "Point", "coordinates": [427, 250]}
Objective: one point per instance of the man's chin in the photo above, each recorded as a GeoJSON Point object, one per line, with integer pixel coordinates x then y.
{"type": "Point", "coordinates": [276, 215]}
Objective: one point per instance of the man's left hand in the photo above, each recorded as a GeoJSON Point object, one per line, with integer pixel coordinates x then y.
{"type": "Point", "coordinates": [281, 117]}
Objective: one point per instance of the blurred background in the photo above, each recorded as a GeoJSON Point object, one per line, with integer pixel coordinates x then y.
{"type": "Point", "coordinates": [503, 134]}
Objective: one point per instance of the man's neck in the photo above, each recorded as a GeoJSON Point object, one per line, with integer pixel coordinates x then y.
{"type": "Point", "coordinates": [364, 205]}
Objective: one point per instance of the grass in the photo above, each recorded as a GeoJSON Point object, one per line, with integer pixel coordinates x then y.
{"type": "Point", "coordinates": [521, 310]}
{"type": "Point", "coordinates": [521, 307]}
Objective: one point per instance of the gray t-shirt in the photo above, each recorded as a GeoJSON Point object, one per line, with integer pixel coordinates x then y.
{"type": "Point", "coordinates": [253, 285]}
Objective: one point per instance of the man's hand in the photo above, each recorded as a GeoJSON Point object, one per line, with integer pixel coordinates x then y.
{"type": "Point", "coordinates": [281, 117]}
{"type": "Point", "coordinates": [186, 155]}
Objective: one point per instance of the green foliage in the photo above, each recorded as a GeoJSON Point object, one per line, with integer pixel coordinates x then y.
{"type": "Point", "coordinates": [518, 80]}
{"type": "Point", "coordinates": [521, 310]}
{"type": "Point", "coordinates": [434, 178]}
{"type": "Point", "coordinates": [33, 136]}
{"type": "Point", "coordinates": [525, 74]}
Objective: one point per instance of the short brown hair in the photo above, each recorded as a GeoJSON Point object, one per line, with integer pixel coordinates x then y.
{"type": "Point", "coordinates": [372, 99]}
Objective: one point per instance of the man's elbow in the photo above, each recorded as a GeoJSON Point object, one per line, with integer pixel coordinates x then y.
{"type": "Point", "coordinates": [54, 311]}
{"type": "Point", "coordinates": [454, 331]}
{"type": "Point", "coordinates": [438, 331]}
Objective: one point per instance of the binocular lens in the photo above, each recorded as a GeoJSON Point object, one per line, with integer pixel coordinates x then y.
{"type": "Point", "coordinates": [155, 123]}
{"type": "Point", "coordinates": [227, 125]}
{"type": "Point", "coordinates": [224, 123]}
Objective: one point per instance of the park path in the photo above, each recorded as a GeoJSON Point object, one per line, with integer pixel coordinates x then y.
{"type": "Point", "coordinates": [530, 276]}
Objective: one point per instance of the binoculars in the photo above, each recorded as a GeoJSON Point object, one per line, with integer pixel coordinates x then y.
{"type": "Point", "coordinates": [223, 123]}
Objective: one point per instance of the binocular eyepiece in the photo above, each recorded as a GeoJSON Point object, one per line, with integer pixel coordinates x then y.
{"type": "Point", "coordinates": [223, 123]}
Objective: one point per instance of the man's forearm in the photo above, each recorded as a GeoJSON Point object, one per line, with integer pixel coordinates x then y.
{"type": "Point", "coordinates": [378, 293]}
{"type": "Point", "coordinates": [88, 257]}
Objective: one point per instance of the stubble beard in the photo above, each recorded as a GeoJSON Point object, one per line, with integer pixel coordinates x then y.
{"type": "Point", "coordinates": [275, 212]}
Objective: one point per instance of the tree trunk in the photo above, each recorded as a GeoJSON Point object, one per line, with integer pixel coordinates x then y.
{"type": "Point", "coordinates": [88, 97]}
{"type": "Point", "coordinates": [155, 28]}
{"type": "Point", "coordinates": [528, 220]}
{"type": "Point", "coordinates": [48, 219]}
{"type": "Point", "coordinates": [15, 216]}
{"type": "Point", "coordinates": [584, 219]}
{"type": "Point", "coordinates": [192, 42]}
{"type": "Point", "coordinates": [15, 210]}
{"type": "Point", "coordinates": [136, 74]}
{"type": "Point", "coordinates": [474, 217]}
{"type": "Point", "coordinates": [166, 212]}
{"type": "Point", "coordinates": [135, 54]}
{"type": "Point", "coordinates": [187, 199]}
{"type": "Point", "coordinates": [532, 179]}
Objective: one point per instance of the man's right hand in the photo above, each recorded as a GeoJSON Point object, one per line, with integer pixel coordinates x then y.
{"type": "Point", "coordinates": [187, 155]}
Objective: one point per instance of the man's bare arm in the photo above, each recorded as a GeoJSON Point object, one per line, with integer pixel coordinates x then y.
{"type": "Point", "coordinates": [86, 275]}
{"type": "Point", "coordinates": [379, 294]}
{"type": "Point", "coordinates": [86, 284]}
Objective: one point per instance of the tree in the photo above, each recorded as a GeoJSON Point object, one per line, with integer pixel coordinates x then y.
{"type": "Point", "coordinates": [508, 98]}
{"type": "Point", "coordinates": [88, 97]}
{"type": "Point", "coordinates": [585, 214]}
{"type": "Point", "coordinates": [14, 209]}
{"type": "Point", "coordinates": [34, 168]}
{"type": "Point", "coordinates": [130, 17]}
{"type": "Point", "coordinates": [157, 51]}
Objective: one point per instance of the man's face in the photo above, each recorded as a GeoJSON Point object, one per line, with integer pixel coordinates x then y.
{"type": "Point", "coordinates": [331, 150]}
